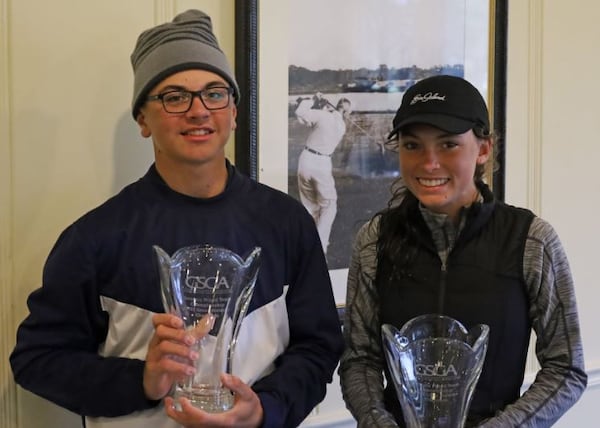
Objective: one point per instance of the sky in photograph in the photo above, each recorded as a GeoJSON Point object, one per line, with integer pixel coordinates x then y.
{"type": "Point", "coordinates": [349, 34]}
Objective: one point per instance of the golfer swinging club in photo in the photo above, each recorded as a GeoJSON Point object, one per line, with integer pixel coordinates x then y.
{"type": "Point", "coordinates": [316, 185]}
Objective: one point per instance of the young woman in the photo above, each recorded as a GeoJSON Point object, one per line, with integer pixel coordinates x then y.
{"type": "Point", "coordinates": [445, 245]}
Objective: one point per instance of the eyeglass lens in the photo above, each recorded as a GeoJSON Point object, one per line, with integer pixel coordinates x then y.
{"type": "Point", "coordinates": [181, 101]}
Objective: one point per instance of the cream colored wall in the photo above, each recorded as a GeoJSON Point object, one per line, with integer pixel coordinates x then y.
{"type": "Point", "coordinates": [67, 142]}
{"type": "Point", "coordinates": [552, 148]}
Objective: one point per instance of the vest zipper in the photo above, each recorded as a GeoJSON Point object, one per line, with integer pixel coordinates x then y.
{"type": "Point", "coordinates": [442, 295]}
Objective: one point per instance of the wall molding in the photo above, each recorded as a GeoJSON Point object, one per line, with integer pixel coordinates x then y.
{"type": "Point", "coordinates": [534, 131]}
{"type": "Point", "coordinates": [593, 378]}
{"type": "Point", "coordinates": [164, 11]}
{"type": "Point", "coordinates": [8, 390]}
{"type": "Point", "coordinates": [535, 83]}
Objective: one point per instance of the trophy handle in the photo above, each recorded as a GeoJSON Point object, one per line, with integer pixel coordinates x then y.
{"type": "Point", "coordinates": [163, 262]}
{"type": "Point", "coordinates": [478, 336]}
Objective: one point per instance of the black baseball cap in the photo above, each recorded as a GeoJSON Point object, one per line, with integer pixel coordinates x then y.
{"type": "Point", "coordinates": [449, 103]}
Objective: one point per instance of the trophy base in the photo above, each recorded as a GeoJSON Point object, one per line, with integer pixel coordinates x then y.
{"type": "Point", "coordinates": [207, 398]}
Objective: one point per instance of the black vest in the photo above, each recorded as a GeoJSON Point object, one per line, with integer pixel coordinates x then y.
{"type": "Point", "coordinates": [483, 284]}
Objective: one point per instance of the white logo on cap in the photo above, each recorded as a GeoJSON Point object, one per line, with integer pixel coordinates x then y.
{"type": "Point", "coordinates": [429, 96]}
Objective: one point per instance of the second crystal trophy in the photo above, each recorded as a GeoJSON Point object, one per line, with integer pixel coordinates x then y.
{"type": "Point", "coordinates": [435, 363]}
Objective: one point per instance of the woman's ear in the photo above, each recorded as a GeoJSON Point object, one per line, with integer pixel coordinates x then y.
{"type": "Point", "coordinates": [485, 150]}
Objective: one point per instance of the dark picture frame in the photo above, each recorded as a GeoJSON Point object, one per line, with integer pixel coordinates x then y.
{"type": "Point", "coordinates": [246, 71]}
{"type": "Point", "coordinates": [499, 44]}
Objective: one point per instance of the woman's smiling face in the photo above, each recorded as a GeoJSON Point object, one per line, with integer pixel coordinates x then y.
{"type": "Point", "coordinates": [438, 168]}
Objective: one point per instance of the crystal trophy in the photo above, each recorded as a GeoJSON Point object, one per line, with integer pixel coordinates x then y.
{"type": "Point", "coordinates": [210, 289]}
{"type": "Point", "coordinates": [435, 362]}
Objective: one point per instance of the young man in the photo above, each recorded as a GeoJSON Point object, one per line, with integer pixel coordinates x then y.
{"type": "Point", "coordinates": [96, 341]}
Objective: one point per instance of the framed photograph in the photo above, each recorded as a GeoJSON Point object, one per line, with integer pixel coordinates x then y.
{"type": "Point", "coordinates": [346, 64]}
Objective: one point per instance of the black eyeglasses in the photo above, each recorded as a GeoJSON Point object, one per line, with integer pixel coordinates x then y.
{"type": "Point", "coordinates": [180, 100]}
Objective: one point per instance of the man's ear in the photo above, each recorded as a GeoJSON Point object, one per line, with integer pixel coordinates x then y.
{"type": "Point", "coordinates": [144, 128]}
{"type": "Point", "coordinates": [234, 118]}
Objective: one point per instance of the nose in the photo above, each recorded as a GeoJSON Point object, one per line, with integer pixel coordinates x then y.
{"type": "Point", "coordinates": [430, 160]}
{"type": "Point", "coordinates": [198, 108]}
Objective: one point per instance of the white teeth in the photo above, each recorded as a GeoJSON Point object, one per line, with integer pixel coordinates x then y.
{"type": "Point", "coordinates": [433, 182]}
{"type": "Point", "coordinates": [198, 132]}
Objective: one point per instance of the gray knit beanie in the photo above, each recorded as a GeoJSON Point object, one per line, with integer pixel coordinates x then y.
{"type": "Point", "coordinates": [186, 43]}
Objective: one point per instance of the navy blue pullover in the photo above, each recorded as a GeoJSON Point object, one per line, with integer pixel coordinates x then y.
{"type": "Point", "coordinates": [82, 345]}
